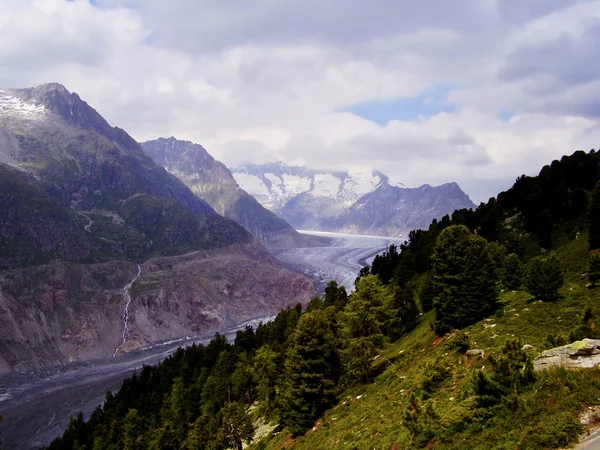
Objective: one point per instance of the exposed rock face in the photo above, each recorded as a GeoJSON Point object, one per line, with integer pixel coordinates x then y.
{"type": "Point", "coordinates": [56, 313]}
{"type": "Point", "coordinates": [583, 354]}
{"type": "Point", "coordinates": [81, 205]}
{"type": "Point", "coordinates": [213, 182]}
{"type": "Point", "coordinates": [360, 203]}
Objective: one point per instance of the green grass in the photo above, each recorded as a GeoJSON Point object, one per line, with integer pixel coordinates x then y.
{"type": "Point", "coordinates": [371, 416]}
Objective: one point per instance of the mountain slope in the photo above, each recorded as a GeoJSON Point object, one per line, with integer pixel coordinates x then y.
{"type": "Point", "coordinates": [211, 181]}
{"type": "Point", "coordinates": [361, 203]}
{"type": "Point", "coordinates": [79, 200]}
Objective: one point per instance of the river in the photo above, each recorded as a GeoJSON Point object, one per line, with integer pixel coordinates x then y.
{"type": "Point", "coordinates": [37, 405]}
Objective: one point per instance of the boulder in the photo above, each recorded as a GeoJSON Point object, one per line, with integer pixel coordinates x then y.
{"type": "Point", "coordinates": [583, 354]}
{"type": "Point", "coordinates": [475, 353]}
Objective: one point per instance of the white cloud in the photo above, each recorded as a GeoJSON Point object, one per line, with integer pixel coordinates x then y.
{"type": "Point", "coordinates": [271, 81]}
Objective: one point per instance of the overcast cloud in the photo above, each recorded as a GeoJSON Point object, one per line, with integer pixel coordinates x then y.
{"type": "Point", "coordinates": [516, 82]}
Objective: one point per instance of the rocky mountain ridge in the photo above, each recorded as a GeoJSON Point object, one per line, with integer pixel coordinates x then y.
{"type": "Point", "coordinates": [360, 203]}
{"type": "Point", "coordinates": [212, 181]}
{"type": "Point", "coordinates": [80, 205]}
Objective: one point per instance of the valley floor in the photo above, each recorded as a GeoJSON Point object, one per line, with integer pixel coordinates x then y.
{"type": "Point", "coordinates": [340, 261]}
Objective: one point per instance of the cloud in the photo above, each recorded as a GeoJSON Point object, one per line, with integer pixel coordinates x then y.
{"type": "Point", "coordinates": [332, 84]}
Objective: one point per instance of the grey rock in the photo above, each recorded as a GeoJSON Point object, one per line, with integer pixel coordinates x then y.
{"type": "Point", "coordinates": [475, 353]}
{"type": "Point", "coordinates": [584, 354]}
{"type": "Point", "coordinates": [527, 347]}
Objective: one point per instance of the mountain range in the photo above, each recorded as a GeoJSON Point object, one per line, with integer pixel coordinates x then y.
{"type": "Point", "coordinates": [358, 203]}
{"type": "Point", "coordinates": [84, 211]}
{"type": "Point", "coordinates": [212, 181]}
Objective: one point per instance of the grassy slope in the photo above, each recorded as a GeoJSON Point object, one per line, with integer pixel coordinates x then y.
{"type": "Point", "coordinates": [375, 420]}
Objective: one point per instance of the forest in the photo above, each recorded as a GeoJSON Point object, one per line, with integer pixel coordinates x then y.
{"type": "Point", "coordinates": [301, 366]}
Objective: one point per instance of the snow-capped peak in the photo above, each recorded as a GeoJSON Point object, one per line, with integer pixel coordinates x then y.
{"type": "Point", "coordinates": [14, 106]}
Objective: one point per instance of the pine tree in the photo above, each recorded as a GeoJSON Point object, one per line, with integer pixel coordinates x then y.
{"type": "Point", "coordinates": [594, 272]}
{"type": "Point", "coordinates": [544, 277]}
{"type": "Point", "coordinates": [236, 426]}
{"type": "Point", "coordinates": [594, 219]}
{"type": "Point", "coordinates": [513, 272]}
{"type": "Point", "coordinates": [365, 321]}
{"type": "Point", "coordinates": [465, 277]}
{"type": "Point", "coordinates": [311, 371]}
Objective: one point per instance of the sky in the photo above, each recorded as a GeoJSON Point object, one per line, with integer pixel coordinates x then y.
{"type": "Point", "coordinates": [430, 91]}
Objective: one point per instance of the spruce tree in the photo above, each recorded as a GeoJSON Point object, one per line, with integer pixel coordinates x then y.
{"type": "Point", "coordinates": [594, 219]}
{"type": "Point", "coordinates": [465, 277]}
{"type": "Point", "coordinates": [544, 277]}
{"type": "Point", "coordinates": [311, 371]}
{"type": "Point", "coordinates": [513, 272]}
{"type": "Point", "coordinates": [266, 373]}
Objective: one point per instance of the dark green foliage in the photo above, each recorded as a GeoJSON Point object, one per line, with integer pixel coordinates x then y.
{"type": "Point", "coordinates": [335, 296]}
{"type": "Point", "coordinates": [510, 374]}
{"type": "Point", "coordinates": [407, 313]}
{"type": "Point", "coordinates": [385, 264]}
{"type": "Point", "coordinates": [465, 277]}
{"type": "Point", "coordinates": [586, 328]}
{"type": "Point", "coordinates": [513, 273]}
{"type": "Point", "coordinates": [594, 219]}
{"type": "Point", "coordinates": [427, 294]}
{"type": "Point", "coordinates": [594, 271]}
{"type": "Point", "coordinates": [558, 431]}
{"type": "Point", "coordinates": [367, 318]}
{"type": "Point", "coordinates": [236, 426]}
{"type": "Point", "coordinates": [460, 342]}
{"type": "Point", "coordinates": [544, 277]}
{"type": "Point", "coordinates": [311, 370]}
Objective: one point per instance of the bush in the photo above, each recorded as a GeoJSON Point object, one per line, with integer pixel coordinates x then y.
{"type": "Point", "coordinates": [544, 277]}
{"type": "Point", "coordinates": [558, 431]}
{"type": "Point", "coordinates": [513, 272]}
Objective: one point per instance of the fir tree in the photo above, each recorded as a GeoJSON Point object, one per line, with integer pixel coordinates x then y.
{"type": "Point", "coordinates": [544, 277]}
{"type": "Point", "coordinates": [513, 272]}
{"type": "Point", "coordinates": [465, 277]}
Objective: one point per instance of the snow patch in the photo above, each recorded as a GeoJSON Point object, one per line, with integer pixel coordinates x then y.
{"type": "Point", "coordinates": [326, 185]}
{"type": "Point", "coordinates": [252, 184]}
{"type": "Point", "coordinates": [14, 106]}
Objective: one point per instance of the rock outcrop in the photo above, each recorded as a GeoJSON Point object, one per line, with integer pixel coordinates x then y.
{"type": "Point", "coordinates": [583, 354]}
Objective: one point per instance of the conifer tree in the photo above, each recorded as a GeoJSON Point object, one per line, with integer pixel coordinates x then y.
{"type": "Point", "coordinates": [594, 219]}
{"type": "Point", "coordinates": [594, 272]}
{"type": "Point", "coordinates": [465, 277]}
{"type": "Point", "coordinates": [368, 316]}
{"type": "Point", "coordinates": [311, 371]}
{"type": "Point", "coordinates": [544, 277]}
{"type": "Point", "coordinates": [266, 373]}
{"type": "Point", "coordinates": [513, 272]}
{"type": "Point", "coordinates": [407, 313]}
{"type": "Point", "coordinates": [427, 294]}
{"type": "Point", "coordinates": [236, 426]}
